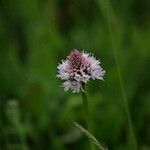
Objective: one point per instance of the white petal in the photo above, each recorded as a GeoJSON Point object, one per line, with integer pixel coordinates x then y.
{"type": "Point", "coordinates": [85, 78]}
{"type": "Point", "coordinates": [77, 77]}
{"type": "Point", "coordinates": [66, 85]}
{"type": "Point", "coordinates": [75, 86]}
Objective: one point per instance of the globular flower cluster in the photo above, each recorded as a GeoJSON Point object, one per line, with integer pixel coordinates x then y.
{"type": "Point", "coordinates": [78, 69]}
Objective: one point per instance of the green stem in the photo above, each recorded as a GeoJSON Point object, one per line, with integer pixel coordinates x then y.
{"type": "Point", "coordinates": [86, 106]}
{"type": "Point", "coordinates": [87, 114]}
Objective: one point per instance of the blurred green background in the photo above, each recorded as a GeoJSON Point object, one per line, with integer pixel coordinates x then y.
{"type": "Point", "coordinates": [35, 35]}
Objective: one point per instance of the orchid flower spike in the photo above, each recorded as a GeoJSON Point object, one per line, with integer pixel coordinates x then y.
{"type": "Point", "coordinates": [78, 69]}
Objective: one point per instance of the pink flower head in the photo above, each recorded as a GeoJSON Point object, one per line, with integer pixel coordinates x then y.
{"type": "Point", "coordinates": [77, 69]}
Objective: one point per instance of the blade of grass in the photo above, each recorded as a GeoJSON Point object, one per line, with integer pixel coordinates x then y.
{"type": "Point", "coordinates": [107, 8]}
{"type": "Point", "coordinates": [90, 136]}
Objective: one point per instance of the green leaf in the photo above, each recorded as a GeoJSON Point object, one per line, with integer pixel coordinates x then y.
{"type": "Point", "coordinates": [90, 136]}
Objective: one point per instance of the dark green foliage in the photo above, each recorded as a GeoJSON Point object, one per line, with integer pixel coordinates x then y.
{"type": "Point", "coordinates": [35, 113]}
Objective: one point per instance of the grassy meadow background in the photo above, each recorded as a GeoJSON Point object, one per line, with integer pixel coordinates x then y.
{"type": "Point", "coordinates": [35, 35]}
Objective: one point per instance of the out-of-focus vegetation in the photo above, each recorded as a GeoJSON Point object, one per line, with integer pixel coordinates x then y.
{"type": "Point", "coordinates": [35, 113]}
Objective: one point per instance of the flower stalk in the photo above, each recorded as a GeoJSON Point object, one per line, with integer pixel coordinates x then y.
{"type": "Point", "coordinates": [86, 106]}
{"type": "Point", "coordinates": [87, 113]}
